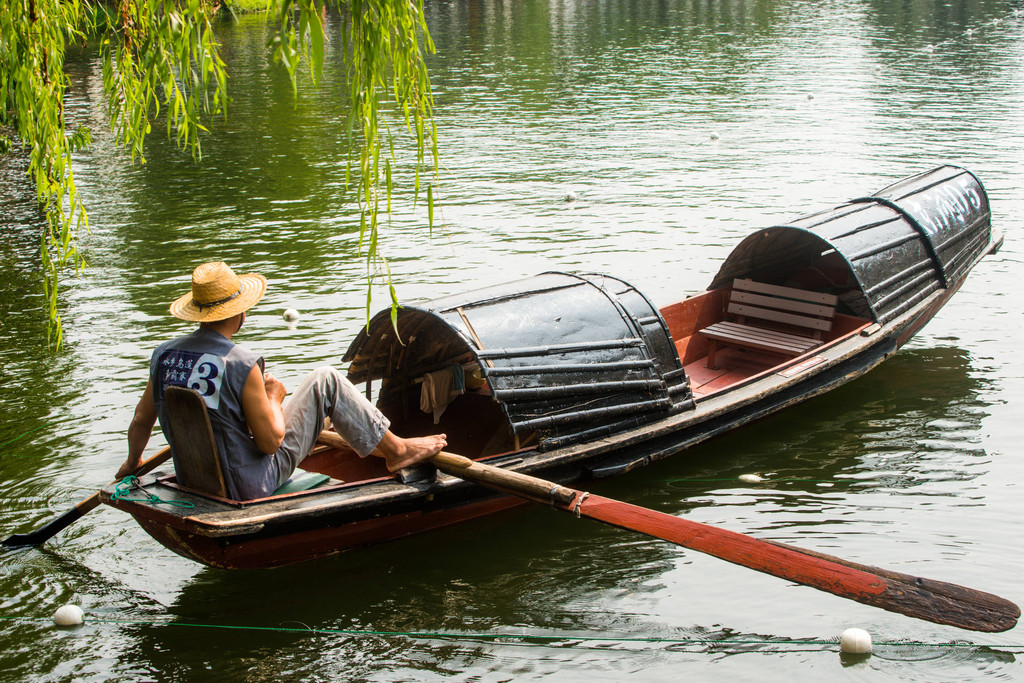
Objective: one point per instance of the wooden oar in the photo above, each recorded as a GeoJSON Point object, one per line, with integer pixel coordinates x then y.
{"type": "Point", "coordinates": [58, 524]}
{"type": "Point", "coordinates": [61, 522]}
{"type": "Point", "coordinates": [935, 601]}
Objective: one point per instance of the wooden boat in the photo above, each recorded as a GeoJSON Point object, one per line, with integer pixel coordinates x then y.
{"type": "Point", "coordinates": [575, 377]}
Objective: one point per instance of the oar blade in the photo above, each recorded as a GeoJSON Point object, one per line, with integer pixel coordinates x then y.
{"type": "Point", "coordinates": [935, 601]}
{"type": "Point", "coordinates": [1000, 613]}
{"type": "Point", "coordinates": [54, 526]}
{"type": "Point", "coordinates": [64, 520]}
{"type": "Point", "coordinates": [972, 610]}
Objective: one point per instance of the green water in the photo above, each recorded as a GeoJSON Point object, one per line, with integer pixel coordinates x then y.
{"type": "Point", "coordinates": [679, 127]}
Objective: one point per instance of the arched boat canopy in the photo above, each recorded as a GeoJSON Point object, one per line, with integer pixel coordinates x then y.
{"type": "Point", "coordinates": [568, 357]}
{"type": "Point", "coordinates": [901, 244]}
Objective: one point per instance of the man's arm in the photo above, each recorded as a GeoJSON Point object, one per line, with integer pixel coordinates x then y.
{"type": "Point", "coordinates": [139, 431]}
{"type": "Point", "coordinates": [261, 403]}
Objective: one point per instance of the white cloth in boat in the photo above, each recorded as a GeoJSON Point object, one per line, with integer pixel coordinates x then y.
{"type": "Point", "coordinates": [440, 388]}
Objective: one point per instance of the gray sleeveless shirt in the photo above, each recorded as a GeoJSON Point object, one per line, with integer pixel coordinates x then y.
{"type": "Point", "coordinates": [217, 368]}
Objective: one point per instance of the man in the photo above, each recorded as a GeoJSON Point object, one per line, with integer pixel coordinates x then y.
{"type": "Point", "coordinates": [261, 438]}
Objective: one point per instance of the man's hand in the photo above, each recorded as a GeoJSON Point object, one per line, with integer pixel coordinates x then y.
{"type": "Point", "coordinates": [128, 467]}
{"type": "Point", "coordinates": [261, 403]}
{"type": "Point", "coordinates": [275, 389]}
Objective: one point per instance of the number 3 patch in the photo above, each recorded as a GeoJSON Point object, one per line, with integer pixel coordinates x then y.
{"type": "Point", "coordinates": [203, 372]}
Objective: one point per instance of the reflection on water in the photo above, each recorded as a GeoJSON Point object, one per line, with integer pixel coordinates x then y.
{"type": "Point", "coordinates": [841, 456]}
{"type": "Point", "coordinates": [639, 139]}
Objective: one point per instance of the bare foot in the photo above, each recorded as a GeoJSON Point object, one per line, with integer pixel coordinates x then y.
{"type": "Point", "coordinates": [398, 452]}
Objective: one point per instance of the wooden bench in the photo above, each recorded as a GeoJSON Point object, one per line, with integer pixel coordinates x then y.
{"type": "Point", "coordinates": [793, 320]}
{"type": "Point", "coordinates": [197, 464]}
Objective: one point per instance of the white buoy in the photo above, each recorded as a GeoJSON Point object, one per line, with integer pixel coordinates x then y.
{"type": "Point", "coordinates": [751, 478]}
{"type": "Point", "coordinates": [855, 641]}
{"type": "Point", "coordinates": [291, 315]}
{"type": "Point", "coordinates": [69, 615]}
{"type": "Point", "coordinates": [715, 136]}
{"type": "Point", "coordinates": [570, 196]}
{"type": "Point", "coordinates": [810, 96]}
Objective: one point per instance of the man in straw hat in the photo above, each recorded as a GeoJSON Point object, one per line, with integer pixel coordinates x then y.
{"type": "Point", "coordinates": [261, 439]}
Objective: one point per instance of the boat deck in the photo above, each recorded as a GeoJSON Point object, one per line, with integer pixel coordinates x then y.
{"type": "Point", "coordinates": [734, 365]}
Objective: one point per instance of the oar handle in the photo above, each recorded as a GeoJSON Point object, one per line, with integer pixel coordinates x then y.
{"type": "Point", "coordinates": [533, 488]}
{"type": "Point", "coordinates": [147, 466]}
{"type": "Point", "coordinates": [61, 522]}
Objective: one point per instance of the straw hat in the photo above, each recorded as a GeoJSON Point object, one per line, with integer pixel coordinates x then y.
{"type": "Point", "coordinates": [217, 294]}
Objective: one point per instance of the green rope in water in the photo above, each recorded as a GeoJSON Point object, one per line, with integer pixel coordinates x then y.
{"type": "Point", "coordinates": [22, 436]}
{"type": "Point", "coordinates": [540, 638]}
{"type": "Point", "coordinates": [125, 486]}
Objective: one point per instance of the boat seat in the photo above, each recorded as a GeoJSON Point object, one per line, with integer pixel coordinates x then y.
{"type": "Point", "coordinates": [197, 463]}
{"type": "Point", "coordinates": [791, 321]}
{"type": "Point", "coordinates": [301, 480]}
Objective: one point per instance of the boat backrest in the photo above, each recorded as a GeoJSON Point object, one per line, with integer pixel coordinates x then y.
{"type": "Point", "coordinates": [196, 461]}
{"type": "Point", "coordinates": [813, 311]}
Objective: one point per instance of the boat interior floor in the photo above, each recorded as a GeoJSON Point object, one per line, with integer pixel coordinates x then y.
{"type": "Point", "coordinates": [734, 365]}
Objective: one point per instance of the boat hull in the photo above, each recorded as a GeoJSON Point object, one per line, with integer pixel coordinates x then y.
{"type": "Point", "coordinates": [281, 545]}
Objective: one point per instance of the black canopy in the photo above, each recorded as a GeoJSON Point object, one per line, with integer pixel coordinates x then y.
{"type": "Point", "coordinates": [570, 357]}
{"type": "Point", "coordinates": [902, 244]}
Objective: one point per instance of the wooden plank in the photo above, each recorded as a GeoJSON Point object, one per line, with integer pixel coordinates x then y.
{"type": "Point", "coordinates": [767, 346]}
{"type": "Point", "coordinates": [730, 336]}
{"type": "Point", "coordinates": [738, 334]}
{"type": "Point", "coordinates": [795, 370]}
{"type": "Point", "coordinates": [788, 292]}
{"type": "Point", "coordinates": [739, 331]}
{"type": "Point", "coordinates": [801, 307]}
{"type": "Point", "coordinates": [778, 316]}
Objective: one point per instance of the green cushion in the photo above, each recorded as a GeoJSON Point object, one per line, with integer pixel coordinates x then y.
{"type": "Point", "coordinates": [302, 481]}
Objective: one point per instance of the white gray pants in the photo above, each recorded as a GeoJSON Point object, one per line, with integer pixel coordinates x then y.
{"type": "Point", "coordinates": [325, 392]}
